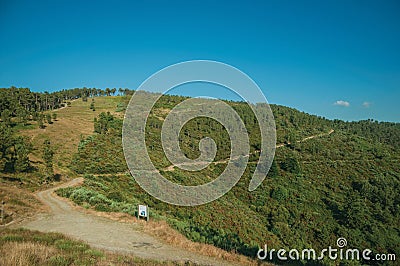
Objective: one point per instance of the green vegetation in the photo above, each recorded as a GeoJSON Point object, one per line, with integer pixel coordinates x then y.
{"type": "Point", "coordinates": [99, 148]}
{"type": "Point", "coordinates": [103, 194]}
{"type": "Point", "coordinates": [48, 118]}
{"type": "Point", "coordinates": [14, 151]}
{"type": "Point", "coordinates": [343, 184]}
{"type": "Point", "coordinates": [24, 105]}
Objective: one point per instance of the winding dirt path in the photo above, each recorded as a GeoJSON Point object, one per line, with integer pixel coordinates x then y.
{"type": "Point", "coordinates": [171, 167]}
{"type": "Point", "coordinates": [103, 233]}
{"type": "Point", "coordinates": [307, 138]}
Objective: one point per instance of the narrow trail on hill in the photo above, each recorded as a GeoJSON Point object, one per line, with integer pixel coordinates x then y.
{"type": "Point", "coordinates": [307, 138]}
{"type": "Point", "coordinates": [104, 233]}
{"type": "Point", "coordinates": [171, 167]}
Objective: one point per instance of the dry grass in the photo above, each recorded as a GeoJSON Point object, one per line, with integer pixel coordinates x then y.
{"type": "Point", "coordinates": [32, 253]}
{"type": "Point", "coordinates": [25, 248]}
{"type": "Point", "coordinates": [20, 203]}
{"type": "Point", "coordinates": [25, 253]}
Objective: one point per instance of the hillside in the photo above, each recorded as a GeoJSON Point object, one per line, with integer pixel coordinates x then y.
{"type": "Point", "coordinates": [73, 123]}
{"type": "Point", "coordinates": [343, 184]}
{"type": "Point", "coordinates": [329, 179]}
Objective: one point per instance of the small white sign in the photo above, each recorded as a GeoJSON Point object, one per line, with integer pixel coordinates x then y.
{"type": "Point", "coordinates": [143, 211]}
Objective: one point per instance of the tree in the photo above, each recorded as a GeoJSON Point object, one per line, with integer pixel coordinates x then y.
{"type": "Point", "coordinates": [273, 170]}
{"type": "Point", "coordinates": [22, 149]}
{"type": "Point", "coordinates": [22, 115]}
{"type": "Point", "coordinates": [103, 123]}
{"type": "Point", "coordinates": [290, 164]}
{"type": "Point", "coordinates": [356, 212]}
{"type": "Point", "coordinates": [13, 151]}
{"type": "Point", "coordinates": [48, 118]}
{"type": "Point", "coordinates": [6, 141]}
{"type": "Point", "coordinates": [6, 117]}
{"type": "Point", "coordinates": [291, 137]}
{"type": "Point", "coordinates": [48, 154]}
{"type": "Point", "coordinates": [40, 121]}
{"type": "Point", "coordinates": [280, 194]}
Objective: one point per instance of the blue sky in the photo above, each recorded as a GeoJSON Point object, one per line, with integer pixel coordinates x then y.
{"type": "Point", "coordinates": [304, 54]}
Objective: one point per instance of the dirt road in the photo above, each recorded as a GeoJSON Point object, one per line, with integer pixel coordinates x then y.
{"type": "Point", "coordinates": [104, 233]}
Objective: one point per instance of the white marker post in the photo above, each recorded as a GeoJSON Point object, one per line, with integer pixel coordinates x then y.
{"type": "Point", "coordinates": [143, 211]}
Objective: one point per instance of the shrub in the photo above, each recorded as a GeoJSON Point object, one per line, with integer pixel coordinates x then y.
{"type": "Point", "coordinates": [280, 194]}
{"type": "Point", "coordinates": [291, 165]}
{"type": "Point", "coordinates": [81, 195]}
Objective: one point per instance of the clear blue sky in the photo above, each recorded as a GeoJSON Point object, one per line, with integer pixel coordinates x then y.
{"type": "Point", "coordinates": [304, 54]}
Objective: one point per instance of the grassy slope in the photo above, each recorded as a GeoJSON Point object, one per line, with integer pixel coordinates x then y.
{"type": "Point", "coordinates": [24, 247]}
{"type": "Point", "coordinates": [65, 133]}
{"type": "Point", "coordinates": [20, 203]}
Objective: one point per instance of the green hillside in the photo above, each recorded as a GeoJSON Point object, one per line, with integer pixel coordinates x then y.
{"type": "Point", "coordinates": [343, 182]}
{"type": "Point", "coordinates": [329, 179]}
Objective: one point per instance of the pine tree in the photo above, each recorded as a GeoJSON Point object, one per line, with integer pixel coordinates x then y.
{"type": "Point", "coordinates": [6, 117]}
{"type": "Point", "coordinates": [273, 170]}
{"type": "Point", "coordinates": [92, 105]}
{"type": "Point", "coordinates": [22, 149]}
{"type": "Point", "coordinates": [48, 154]}
{"type": "Point", "coordinates": [290, 164]}
{"type": "Point", "coordinates": [48, 118]}
{"type": "Point", "coordinates": [6, 141]}
{"type": "Point", "coordinates": [22, 115]}
{"type": "Point", "coordinates": [40, 121]}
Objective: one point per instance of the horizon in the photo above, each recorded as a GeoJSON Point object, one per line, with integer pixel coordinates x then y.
{"type": "Point", "coordinates": [332, 59]}
{"type": "Point", "coordinates": [234, 99]}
